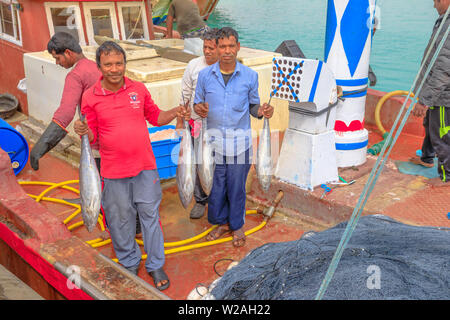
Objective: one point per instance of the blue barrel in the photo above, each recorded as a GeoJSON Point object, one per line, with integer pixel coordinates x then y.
{"type": "Point", "coordinates": [15, 145]}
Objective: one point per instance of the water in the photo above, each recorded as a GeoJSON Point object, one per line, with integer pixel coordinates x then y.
{"type": "Point", "coordinates": [398, 45]}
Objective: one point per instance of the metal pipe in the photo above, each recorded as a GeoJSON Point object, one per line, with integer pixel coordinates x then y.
{"type": "Point", "coordinates": [84, 285]}
{"type": "Point", "coordinates": [268, 212]}
{"type": "Point", "coordinates": [158, 294]}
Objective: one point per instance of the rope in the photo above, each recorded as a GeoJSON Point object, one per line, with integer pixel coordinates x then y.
{"type": "Point", "coordinates": [376, 170]}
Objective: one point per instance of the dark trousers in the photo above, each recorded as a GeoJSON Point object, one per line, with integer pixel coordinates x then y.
{"type": "Point", "coordinates": [437, 139]}
{"type": "Point", "coordinates": [226, 202]}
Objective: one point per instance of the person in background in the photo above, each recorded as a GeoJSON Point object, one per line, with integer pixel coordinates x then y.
{"type": "Point", "coordinates": [226, 94]}
{"type": "Point", "coordinates": [68, 54]}
{"type": "Point", "coordinates": [434, 102]}
{"type": "Point", "coordinates": [116, 110]}
{"type": "Point", "coordinates": [188, 84]}
{"type": "Point", "coordinates": [190, 25]}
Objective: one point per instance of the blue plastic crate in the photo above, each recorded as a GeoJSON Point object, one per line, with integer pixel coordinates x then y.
{"type": "Point", "coordinates": [166, 153]}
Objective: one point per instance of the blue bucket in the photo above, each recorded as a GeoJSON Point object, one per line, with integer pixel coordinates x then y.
{"type": "Point", "coordinates": [15, 145]}
{"type": "Point", "coordinates": [166, 153]}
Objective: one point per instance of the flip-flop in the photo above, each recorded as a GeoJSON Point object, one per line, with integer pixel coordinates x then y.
{"type": "Point", "coordinates": [419, 161]}
{"type": "Point", "coordinates": [158, 276]}
{"type": "Point", "coordinates": [218, 232]}
{"type": "Point", "coordinates": [239, 238]}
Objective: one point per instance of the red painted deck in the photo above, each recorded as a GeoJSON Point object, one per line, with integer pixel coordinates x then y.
{"type": "Point", "coordinates": [409, 199]}
{"type": "Point", "coordinates": [189, 268]}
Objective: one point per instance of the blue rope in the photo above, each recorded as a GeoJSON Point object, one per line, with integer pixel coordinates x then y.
{"type": "Point", "coordinates": [376, 170]}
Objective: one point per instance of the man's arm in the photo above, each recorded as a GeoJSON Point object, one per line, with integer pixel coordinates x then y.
{"type": "Point", "coordinates": [154, 115]}
{"type": "Point", "coordinates": [200, 106]}
{"type": "Point", "coordinates": [256, 110]}
{"type": "Point", "coordinates": [187, 85]}
{"type": "Point", "coordinates": [169, 22]}
{"type": "Point", "coordinates": [71, 97]}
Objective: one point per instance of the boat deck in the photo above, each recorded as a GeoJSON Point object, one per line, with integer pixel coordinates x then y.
{"type": "Point", "coordinates": [406, 198]}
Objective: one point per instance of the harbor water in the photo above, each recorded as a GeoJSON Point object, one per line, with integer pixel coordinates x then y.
{"type": "Point", "coordinates": [398, 45]}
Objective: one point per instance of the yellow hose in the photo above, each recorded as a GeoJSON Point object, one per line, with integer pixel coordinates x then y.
{"type": "Point", "coordinates": [207, 243]}
{"type": "Point", "coordinates": [98, 242]}
{"type": "Point", "coordinates": [380, 104]}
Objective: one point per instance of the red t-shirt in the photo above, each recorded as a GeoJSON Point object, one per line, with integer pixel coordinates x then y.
{"type": "Point", "coordinates": [117, 120]}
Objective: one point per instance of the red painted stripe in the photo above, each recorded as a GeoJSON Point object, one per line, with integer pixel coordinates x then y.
{"type": "Point", "coordinates": [42, 266]}
{"type": "Point", "coordinates": [355, 125]}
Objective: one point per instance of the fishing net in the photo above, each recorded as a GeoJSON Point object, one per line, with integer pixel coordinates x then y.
{"type": "Point", "coordinates": [384, 259]}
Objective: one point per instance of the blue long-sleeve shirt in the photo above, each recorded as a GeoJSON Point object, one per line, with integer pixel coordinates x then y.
{"type": "Point", "coordinates": [228, 118]}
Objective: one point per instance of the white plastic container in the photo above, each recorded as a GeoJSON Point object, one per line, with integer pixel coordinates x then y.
{"type": "Point", "coordinates": [307, 160]}
{"type": "Point", "coordinates": [351, 148]}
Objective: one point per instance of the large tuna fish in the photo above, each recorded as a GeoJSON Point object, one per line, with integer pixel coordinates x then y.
{"type": "Point", "coordinates": [206, 164]}
{"type": "Point", "coordinates": [264, 157]}
{"type": "Point", "coordinates": [185, 175]}
{"type": "Point", "coordinates": [90, 185]}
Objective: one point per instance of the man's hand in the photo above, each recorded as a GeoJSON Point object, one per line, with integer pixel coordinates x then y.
{"type": "Point", "coordinates": [202, 109]}
{"type": "Point", "coordinates": [81, 127]}
{"type": "Point", "coordinates": [419, 110]}
{"type": "Point", "coordinates": [265, 110]}
{"type": "Point", "coordinates": [184, 112]}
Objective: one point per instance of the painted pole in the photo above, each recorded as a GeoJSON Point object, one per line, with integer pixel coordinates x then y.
{"type": "Point", "coordinates": [347, 52]}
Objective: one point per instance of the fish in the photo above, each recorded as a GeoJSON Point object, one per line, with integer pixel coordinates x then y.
{"type": "Point", "coordinates": [90, 184]}
{"type": "Point", "coordinates": [186, 173]}
{"type": "Point", "coordinates": [264, 165]}
{"type": "Point", "coordinates": [207, 164]}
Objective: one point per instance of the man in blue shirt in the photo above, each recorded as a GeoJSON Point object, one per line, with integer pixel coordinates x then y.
{"type": "Point", "coordinates": [226, 94]}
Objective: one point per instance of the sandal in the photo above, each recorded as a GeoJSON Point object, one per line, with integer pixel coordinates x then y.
{"type": "Point", "coordinates": [418, 161]}
{"type": "Point", "coordinates": [158, 277]}
{"type": "Point", "coordinates": [218, 232]}
{"type": "Point", "coordinates": [239, 238]}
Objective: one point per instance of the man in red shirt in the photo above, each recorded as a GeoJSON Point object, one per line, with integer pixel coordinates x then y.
{"type": "Point", "coordinates": [67, 53]}
{"type": "Point", "coordinates": [116, 110]}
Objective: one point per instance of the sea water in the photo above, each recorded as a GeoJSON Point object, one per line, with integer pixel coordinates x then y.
{"type": "Point", "coordinates": [398, 45]}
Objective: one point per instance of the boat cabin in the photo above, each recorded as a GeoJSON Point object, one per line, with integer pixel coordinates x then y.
{"type": "Point", "coordinates": [27, 25]}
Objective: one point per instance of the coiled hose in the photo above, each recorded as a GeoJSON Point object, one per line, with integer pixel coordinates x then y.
{"type": "Point", "coordinates": [98, 242]}
{"type": "Point", "coordinates": [376, 148]}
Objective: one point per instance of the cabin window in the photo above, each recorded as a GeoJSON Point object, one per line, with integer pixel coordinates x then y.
{"type": "Point", "coordinates": [133, 20]}
{"type": "Point", "coordinates": [100, 20]}
{"type": "Point", "coordinates": [10, 22]}
{"type": "Point", "coordinates": [65, 17]}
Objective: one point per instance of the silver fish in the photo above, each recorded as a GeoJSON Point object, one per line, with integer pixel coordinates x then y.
{"type": "Point", "coordinates": [264, 166]}
{"type": "Point", "coordinates": [207, 165]}
{"type": "Point", "coordinates": [185, 175]}
{"type": "Point", "coordinates": [90, 185]}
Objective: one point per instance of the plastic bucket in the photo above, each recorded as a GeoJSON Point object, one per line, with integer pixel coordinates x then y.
{"type": "Point", "coordinates": [15, 145]}
{"type": "Point", "coordinates": [8, 105]}
{"type": "Point", "coordinates": [166, 153]}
